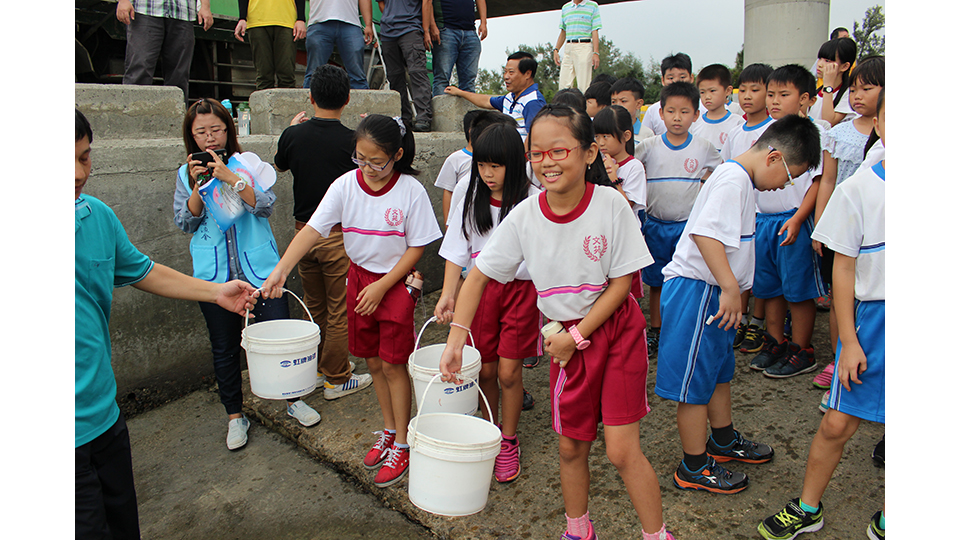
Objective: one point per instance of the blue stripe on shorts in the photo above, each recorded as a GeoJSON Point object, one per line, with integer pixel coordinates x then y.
{"type": "Point", "coordinates": [865, 400]}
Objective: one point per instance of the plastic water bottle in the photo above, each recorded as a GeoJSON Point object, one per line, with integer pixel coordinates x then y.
{"type": "Point", "coordinates": [243, 118]}
{"type": "Point", "coordinates": [229, 106]}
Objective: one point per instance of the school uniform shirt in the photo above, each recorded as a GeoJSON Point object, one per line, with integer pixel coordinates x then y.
{"type": "Point", "coordinates": [742, 137]}
{"type": "Point", "coordinates": [641, 132]}
{"type": "Point", "coordinates": [456, 166]}
{"type": "Point", "coordinates": [725, 211]}
{"type": "Point", "coordinates": [464, 182]}
{"type": "Point", "coordinates": [378, 226]}
{"type": "Point", "coordinates": [634, 182]}
{"type": "Point", "coordinates": [674, 173]}
{"type": "Point", "coordinates": [521, 108]}
{"type": "Point", "coordinates": [462, 251]}
{"type": "Point", "coordinates": [790, 197]}
{"type": "Point", "coordinates": [652, 120]}
{"type": "Point", "coordinates": [570, 257]}
{"type": "Point", "coordinates": [853, 224]}
{"type": "Point", "coordinates": [874, 155]}
{"type": "Point", "coordinates": [716, 131]}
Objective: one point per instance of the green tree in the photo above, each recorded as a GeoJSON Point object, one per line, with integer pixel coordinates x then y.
{"type": "Point", "coordinates": [865, 34]}
{"type": "Point", "coordinates": [737, 68]}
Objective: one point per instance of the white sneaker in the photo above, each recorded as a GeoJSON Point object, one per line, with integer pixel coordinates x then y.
{"type": "Point", "coordinates": [825, 402]}
{"type": "Point", "coordinates": [354, 384]}
{"type": "Point", "coordinates": [304, 413]}
{"type": "Point", "coordinates": [237, 433]}
{"type": "Point", "coordinates": [321, 378]}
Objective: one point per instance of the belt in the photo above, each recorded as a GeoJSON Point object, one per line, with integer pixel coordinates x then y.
{"type": "Point", "coordinates": [578, 40]}
{"type": "Point", "coordinates": [301, 224]}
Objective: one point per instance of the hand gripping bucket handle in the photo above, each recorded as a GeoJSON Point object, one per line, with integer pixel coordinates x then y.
{"type": "Point", "coordinates": [424, 327]}
{"type": "Point", "coordinates": [424, 397]}
{"type": "Point", "coordinates": [246, 318]}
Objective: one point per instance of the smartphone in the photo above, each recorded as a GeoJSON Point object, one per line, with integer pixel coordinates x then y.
{"type": "Point", "coordinates": [205, 157]}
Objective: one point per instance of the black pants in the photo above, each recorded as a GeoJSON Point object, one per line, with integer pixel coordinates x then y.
{"type": "Point", "coordinates": [106, 502]}
{"type": "Point", "coordinates": [158, 38]}
{"type": "Point", "coordinates": [403, 55]}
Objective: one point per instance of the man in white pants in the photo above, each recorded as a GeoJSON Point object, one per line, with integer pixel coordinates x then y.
{"type": "Point", "coordinates": [580, 37]}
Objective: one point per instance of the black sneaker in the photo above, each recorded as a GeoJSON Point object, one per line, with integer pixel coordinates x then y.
{"type": "Point", "coordinates": [711, 477]}
{"type": "Point", "coordinates": [797, 362]}
{"type": "Point", "coordinates": [653, 341]}
{"type": "Point", "coordinates": [788, 326]}
{"type": "Point", "coordinates": [531, 362]}
{"type": "Point", "coordinates": [771, 354]}
{"type": "Point", "coordinates": [739, 450]}
{"type": "Point", "coordinates": [753, 340]}
{"type": "Point", "coordinates": [788, 523]}
{"type": "Point", "coordinates": [874, 531]}
{"type": "Point", "coordinates": [741, 334]}
{"type": "Point", "coordinates": [421, 127]}
{"type": "Point", "coordinates": [879, 453]}
{"type": "Point", "coordinates": [527, 401]}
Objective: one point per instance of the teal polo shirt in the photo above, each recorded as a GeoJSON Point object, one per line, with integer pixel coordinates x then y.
{"type": "Point", "coordinates": [105, 259]}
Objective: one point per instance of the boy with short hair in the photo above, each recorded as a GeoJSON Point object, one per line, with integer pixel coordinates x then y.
{"type": "Point", "coordinates": [715, 85]}
{"type": "Point", "coordinates": [598, 97]}
{"type": "Point", "coordinates": [675, 68]}
{"type": "Point", "coordinates": [712, 265]}
{"type": "Point", "coordinates": [456, 166]}
{"type": "Point", "coordinates": [675, 164]}
{"type": "Point", "coordinates": [852, 225]}
{"type": "Point", "coordinates": [788, 270]}
{"type": "Point", "coordinates": [628, 93]}
{"type": "Point", "coordinates": [318, 151]}
{"type": "Point", "coordinates": [751, 96]}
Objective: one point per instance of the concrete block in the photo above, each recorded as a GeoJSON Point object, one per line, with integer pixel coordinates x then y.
{"type": "Point", "coordinates": [271, 110]}
{"type": "Point", "coordinates": [117, 111]}
{"type": "Point", "coordinates": [448, 113]}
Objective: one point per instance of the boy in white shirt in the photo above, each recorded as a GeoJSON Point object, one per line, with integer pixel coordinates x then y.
{"type": "Point", "coordinates": [676, 68]}
{"type": "Point", "coordinates": [715, 85]}
{"type": "Point", "coordinates": [628, 93]}
{"type": "Point", "coordinates": [456, 166]}
{"type": "Point", "coordinates": [713, 264]}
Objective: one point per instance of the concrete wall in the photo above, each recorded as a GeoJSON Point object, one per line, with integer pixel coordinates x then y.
{"type": "Point", "coordinates": [779, 32]}
{"type": "Point", "coordinates": [161, 347]}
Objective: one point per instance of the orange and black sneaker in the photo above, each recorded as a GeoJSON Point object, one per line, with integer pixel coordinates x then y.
{"type": "Point", "coordinates": [712, 477]}
{"type": "Point", "coordinates": [739, 449]}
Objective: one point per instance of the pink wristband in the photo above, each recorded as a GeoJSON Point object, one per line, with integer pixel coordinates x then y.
{"type": "Point", "coordinates": [460, 326]}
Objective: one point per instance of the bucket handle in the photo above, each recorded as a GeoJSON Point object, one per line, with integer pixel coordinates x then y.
{"type": "Point", "coordinates": [246, 319]}
{"type": "Point", "coordinates": [424, 397]}
{"type": "Point", "coordinates": [424, 327]}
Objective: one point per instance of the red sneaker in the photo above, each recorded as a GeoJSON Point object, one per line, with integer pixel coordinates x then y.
{"type": "Point", "coordinates": [394, 468]}
{"type": "Point", "coordinates": [380, 449]}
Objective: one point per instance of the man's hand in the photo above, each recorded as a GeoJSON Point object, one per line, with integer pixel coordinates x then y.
{"type": "Point", "coordinates": [204, 16]}
{"type": "Point", "coordinates": [299, 30]}
{"type": "Point", "coordinates": [482, 30]}
{"type": "Point", "coordinates": [556, 58]}
{"type": "Point", "coordinates": [241, 30]}
{"type": "Point", "coordinates": [125, 12]}
{"type": "Point", "coordinates": [368, 34]}
{"type": "Point", "coordinates": [453, 91]}
{"type": "Point", "coordinates": [596, 60]}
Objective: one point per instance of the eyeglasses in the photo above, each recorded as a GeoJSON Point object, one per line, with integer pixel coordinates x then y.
{"type": "Point", "coordinates": [214, 131]}
{"type": "Point", "coordinates": [360, 163]}
{"type": "Point", "coordinates": [789, 176]}
{"type": "Point", "coordinates": [556, 154]}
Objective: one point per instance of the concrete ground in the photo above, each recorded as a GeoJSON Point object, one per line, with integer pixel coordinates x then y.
{"type": "Point", "coordinates": [782, 413]}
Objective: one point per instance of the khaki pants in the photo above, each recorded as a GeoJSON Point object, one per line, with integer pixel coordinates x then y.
{"type": "Point", "coordinates": [324, 273]}
{"type": "Point", "coordinates": [577, 62]}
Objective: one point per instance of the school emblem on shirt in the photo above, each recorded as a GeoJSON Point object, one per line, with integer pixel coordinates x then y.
{"type": "Point", "coordinates": [723, 138]}
{"type": "Point", "coordinates": [690, 165]}
{"type": "Point", "coordinates": [594, 247]}
{"type": "Point", "coordinates": [393, 217]}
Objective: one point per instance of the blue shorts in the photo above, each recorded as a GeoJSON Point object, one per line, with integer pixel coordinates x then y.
{"type": "Point", "coordinates": [865, 400]}
{"type": "Point", "coordinates": [694, 358]}
{"type": "Point", "coordinates": [661, 238]}
{"type": "Point", "coordinates": [793, 271]}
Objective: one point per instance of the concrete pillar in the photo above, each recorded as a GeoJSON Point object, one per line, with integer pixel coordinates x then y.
{"type": "Point", "coordinates": [779, 32]}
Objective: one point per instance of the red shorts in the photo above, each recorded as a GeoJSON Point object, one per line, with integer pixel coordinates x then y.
{"type": "Point", "coordinates": [608, 377]}
{"type": "Point", "coordinates": [388, 331]}
{"type": "Point", "coordinates": [636, 287]}
{"type": "Point", "coordinates": [507, 322]}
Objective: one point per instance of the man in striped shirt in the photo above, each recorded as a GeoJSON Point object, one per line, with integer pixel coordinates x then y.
{"type": "Point", "coordinates": [580, 29]}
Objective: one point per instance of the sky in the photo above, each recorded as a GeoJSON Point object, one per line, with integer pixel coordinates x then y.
{"type": "Point", "coordinates": [632, 27]}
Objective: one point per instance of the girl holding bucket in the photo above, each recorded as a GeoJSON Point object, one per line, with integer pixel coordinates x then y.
{"type": "Point", "coordinates": [505, 326]}
{"type": "Point", "coordinates": [225, 204]}
{"type": "Point", "coordinates": [387, 221]}
{"type": "Point", "coordinates": [581, 244]}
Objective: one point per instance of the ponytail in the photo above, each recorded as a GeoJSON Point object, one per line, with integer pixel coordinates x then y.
{"type": "Point", "coordinates": [391, 135]}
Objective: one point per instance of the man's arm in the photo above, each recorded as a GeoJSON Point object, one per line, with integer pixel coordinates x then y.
{"type": "Point", "coordinates": [236, 296]}
{"type": "Point", "coordinates": [431, 34]}
{"type": "Point", "coordinates": [125, 12]}
{"type": "Point", "coordinates": [204, 16]}
{"type": "Point", "coordinates": [595, 41]}
{"type": "Point", "coordinates": [366, 11]}
{"type": "Point", "coordinates": [480, 100]}
{"type": "Point", "coordinates": [556, 50]}
{"type": "Point", "coordinates": [482, 13]}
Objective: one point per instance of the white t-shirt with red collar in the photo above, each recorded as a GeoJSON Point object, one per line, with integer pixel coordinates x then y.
{"type": "Point", "coordinates": [634, 182]}
{"type": "Point", "coordinates": [570, 257]}
{"type": "Point", "coordinates": [378, 226]}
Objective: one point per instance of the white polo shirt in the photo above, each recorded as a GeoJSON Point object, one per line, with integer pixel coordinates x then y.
{"type": "Point", "coordinates": [716, 131]}
{"type": "Point", "coordinates": [456, 166]}
{"type": "Point", "coordinates": [742, 137]}
{"type": "Point", "coordinates": [674, 174]}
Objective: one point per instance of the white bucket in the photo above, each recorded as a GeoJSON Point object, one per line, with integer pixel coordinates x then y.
{"type": "Point", "coordinates": [282, 356]}
{"type": "Point", "coordinates": [444, 397]}
{"type": "Point", "coordinates": [451, 461]}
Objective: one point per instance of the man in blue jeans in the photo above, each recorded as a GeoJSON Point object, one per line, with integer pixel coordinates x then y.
{"type": "Point", "coordinates": [336, 22]}
{"type": "Point", "coordinates": [455, 41]}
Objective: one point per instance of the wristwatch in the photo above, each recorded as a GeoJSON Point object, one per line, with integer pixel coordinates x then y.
{"type": "Point", "coordinates": [828, 89]}
{"type": "Point", "coordinates": [239, 186]}
{"type": "Point", "coordinates": [575, 334]}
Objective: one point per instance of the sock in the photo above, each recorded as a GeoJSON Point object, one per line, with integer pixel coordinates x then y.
{"type": "Point", "coordinates": [580, 526]}
{"type": "Point", "coordinates": [883, 520]}
{"type": "Point", "coordinates": [694, 462]}
{"type": "Point", "coordinates": [757, 322]}
{"type": "Point", "coordinates": [390, 431]}
{"type": "Point", "coordinates": [723, 436]}
{"type": "Point", "coordinates": [398, 445]}
{"type": "Point", "coordinates": [745, 321]}
{"type": "Point", "coordinates": [807, 508]}
{"type": "Point", "coordinates": [662, 533]}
